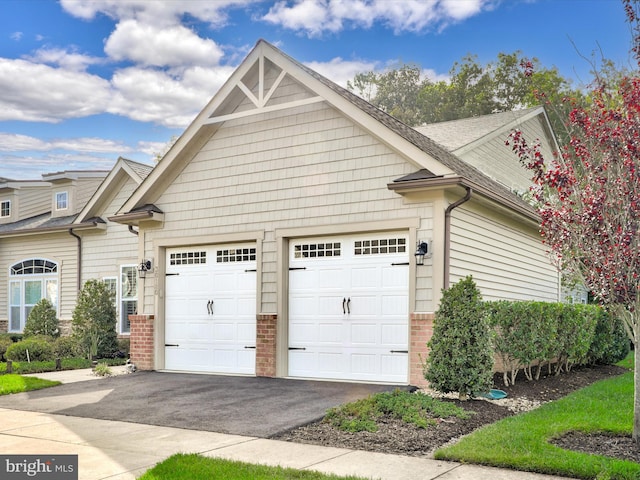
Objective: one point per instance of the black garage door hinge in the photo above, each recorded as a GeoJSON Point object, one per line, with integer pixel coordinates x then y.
{"type": "Point", "coordinates": [253, 348]}
{"type": "Point", "coordinates": [398, 264]}
{"type": "Point", "coordinates": [171, 345]}
{"type": "Point", "coordinates": [297, 348]}
{"type": "Point", "coordinates": [251, 270]}
{"type": "Point", "coordinates": [170, 274]}
{"type": "Point", "coordinates": [297, 268]}
{"type": "Point", "coordinates": [399, 351]}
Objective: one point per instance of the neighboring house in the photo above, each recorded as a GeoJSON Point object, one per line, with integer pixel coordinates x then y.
{"type": "Point", "coordinates": [54, 237]}
{"type": "Point", "coordinates": [279, 232]}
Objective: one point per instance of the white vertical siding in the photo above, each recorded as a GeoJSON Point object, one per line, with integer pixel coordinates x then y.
{"type": "Point", "coordinates": [507, 261]}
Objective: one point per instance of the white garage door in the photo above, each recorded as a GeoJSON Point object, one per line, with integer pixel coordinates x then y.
{"type": "Point", "coordinates": [348, 308]}
{"type": "Point", "coordinates": [210, 309]}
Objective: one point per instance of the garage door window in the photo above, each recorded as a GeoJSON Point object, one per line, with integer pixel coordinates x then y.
{"type": "Point", "coordinates": [380, 246]}
{"type": "Point", "coordinates": [317, 250]}
{"type": "Point", "coordinates": [188, 258]}
{"type": "Point", "coordinates": [236, 255]}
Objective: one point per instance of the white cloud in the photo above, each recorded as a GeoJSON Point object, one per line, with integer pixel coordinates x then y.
{"type": "Point", "coordinates": [16, 36]}
{"type": "Point", "coordinates": [153, 96]}
{"type": "Point", "coordinates": [37, 92]}
{"type": "Point", "coordinates": [31, 167]}
{"type": "Point", "coordinates": [146, 45]}
{"type": "Point", "coordinates": [154, 12]}
{"type": "Point", "coordinates": [317, 16]}
{"type": "Point", "coordinates": [69, 60]}
{"type": "Point", "coordinates": [12, 142]}
{"type": "Point", "coordinates": [340, 71]}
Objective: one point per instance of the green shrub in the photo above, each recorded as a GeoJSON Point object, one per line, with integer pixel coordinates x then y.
{"type": "Point", "coordinates": [42, 320]}
{"type": "Point", "coordinates": [460, 355]}
{"type": "Point", "coordinates": [94, 320]}
{"type": "Point", "coordinates": [102, 370]}
{"type": "Point", "coordinates": [66, 347]}
{"type": "Point", "coordinates": [38, 350]}
{"type": "Point", "coordinates": [610, 342]}
{"type": "Point", "coordinates": [5, 342]}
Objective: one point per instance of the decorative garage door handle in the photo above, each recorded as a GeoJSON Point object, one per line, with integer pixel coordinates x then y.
{"type": "Point", "coordinates": [346, 305]}
{"type": "Point", "coordinates": [210, 307]}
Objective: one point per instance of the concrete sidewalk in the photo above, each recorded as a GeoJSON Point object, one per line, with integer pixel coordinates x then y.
{"type": "Point", "coordinates": [119, 450]}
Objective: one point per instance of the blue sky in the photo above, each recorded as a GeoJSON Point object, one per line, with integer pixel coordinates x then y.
{"type": "Point", "coordinates": [83, 82]}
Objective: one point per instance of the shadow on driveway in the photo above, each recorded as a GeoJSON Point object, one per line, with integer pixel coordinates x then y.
{"type": "Point", "coordinates": [252, 406]}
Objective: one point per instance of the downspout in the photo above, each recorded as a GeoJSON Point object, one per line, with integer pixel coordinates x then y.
{"type": "Point", "coordinates": [73, 234]}
{"type": "Point", "coordinates": [447, 234]}
{"type": "Point", "coordinates": [132, 230]}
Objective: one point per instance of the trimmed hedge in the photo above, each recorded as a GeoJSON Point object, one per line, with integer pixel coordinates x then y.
{"type": "Point", "coordinates": [532, 335]}
{"type": "Point", "coordinates": [39, 350]}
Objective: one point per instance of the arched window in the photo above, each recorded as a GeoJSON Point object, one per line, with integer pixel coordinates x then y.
{"type": "Point", "coordinates": [30, 281]}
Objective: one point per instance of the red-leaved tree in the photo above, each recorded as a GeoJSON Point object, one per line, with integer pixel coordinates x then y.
{"type": "Point", "coordinates": [588, 197]}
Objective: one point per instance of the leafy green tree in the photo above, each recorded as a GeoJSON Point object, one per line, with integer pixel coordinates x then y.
{"type": "Point", "coordinates": [460, 354]}
{"type": "Point", "coordinates": [42, 320]}
{"type": "Point", "coordinates": [394, 91]}
{"type": "Point", "coordinates": [94, 320]}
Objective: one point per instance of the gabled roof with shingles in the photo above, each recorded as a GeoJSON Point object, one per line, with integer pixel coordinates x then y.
{"type": "Point", "coordinates": [419, 149]}
{"type": "Point", "coordinates": [455, 134]}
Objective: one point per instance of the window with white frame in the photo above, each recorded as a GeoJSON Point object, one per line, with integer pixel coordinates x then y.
{"type": "Point", "coordinates": [30, 281]}
{"type": "Point", "coordinates": [62, 200]}
{"type": "Point", "coordinates": [5, 208]}
{"type": "Point", "coordinates": [128, 295]}
{"type": "Point", "coordinates": [112, 285]}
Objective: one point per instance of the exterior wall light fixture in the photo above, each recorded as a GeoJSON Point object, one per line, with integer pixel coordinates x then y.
{"type": "Point", "coordinates": [143, 268]}
{"type": "Point", "coordinates": [422, 250]}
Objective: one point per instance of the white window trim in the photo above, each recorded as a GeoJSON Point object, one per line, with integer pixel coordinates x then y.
{"type": "Point", "coordinates": [66, 200]}
{"type": "Point", "coordinates": [122, 298]}
{"type": "Point", "coordinates": [2, 206]}
{"type": "Point", "coordinates": [20, 279]}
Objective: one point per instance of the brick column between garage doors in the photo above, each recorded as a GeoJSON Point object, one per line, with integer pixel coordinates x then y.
{"type": "Point", "coordinates": [141, 341]}
{"type": "Point", "coordinates": [421, 332]}
{"type": "Point", "coordinates": [266, 345]}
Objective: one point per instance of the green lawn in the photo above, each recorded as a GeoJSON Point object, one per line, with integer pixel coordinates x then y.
{"type": "Point", "coordinates": [12, 383]}
{"type": "Point", "coordinates": [522, 442]}
{"type": "Point", "coordinates": [197, 467]}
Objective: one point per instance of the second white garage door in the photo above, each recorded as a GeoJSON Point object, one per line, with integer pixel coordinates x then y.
{"type": "Point", "coordinates": [210, 309]}
{"type": "Point", "coordinates": [348, 308]}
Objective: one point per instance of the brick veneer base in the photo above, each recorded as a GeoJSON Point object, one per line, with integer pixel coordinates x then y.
{"type": "Point", "coordinates": [421, 330]}
{"type": "Point", "coordinates": [141, 342]}
{"type": "Point", "coordinates": [4, 326]}
{"type": "Point", "coordinates": [266, 345]}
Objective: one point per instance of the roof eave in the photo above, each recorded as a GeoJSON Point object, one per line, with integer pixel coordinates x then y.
{"type": "Point", "coordinates": [427, 184]}
{"type": "Point", "coordinates": [92, 225]}
{"type": "Point", "coordinates": [134, 218]}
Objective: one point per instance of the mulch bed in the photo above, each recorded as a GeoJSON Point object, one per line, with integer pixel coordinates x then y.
{"type": "Point", "coordinates": [395, 436]}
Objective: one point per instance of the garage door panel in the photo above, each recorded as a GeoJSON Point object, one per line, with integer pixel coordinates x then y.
{"type": "Point", "coordinates": [394, 335]}
{"type": "Point", "coordinates": [395, 276]}
{"type": "Point", "coordinates": [210, 310]}
{"type": "Point", "coordinates": [329, 333]}
{"type": "Point", "coordinates": [365, 278]}
{"type": "Point", "coordinates": [364, 334]}
{"type": "Point", "coordinates": [394, 305]}
{"type": "Point", "coordinates": [351, 309]}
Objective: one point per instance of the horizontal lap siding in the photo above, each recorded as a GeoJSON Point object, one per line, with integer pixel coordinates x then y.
{"type": "Point", "coordinates": [498, 161]}
{"type": "Point", "coordinates": [104, 252]}
{"type": "Point", "coordinates": [61, 248]}
{"type": "Point", "coordinates": [293, 168]}
{"type": "Point", "coordinates": [505, 262]}
{"type": "Point", "coordinates": [33, 201]}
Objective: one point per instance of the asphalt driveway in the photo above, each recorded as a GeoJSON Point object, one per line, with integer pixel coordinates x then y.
{"type": "Point", "coordinates": [253, 406]}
